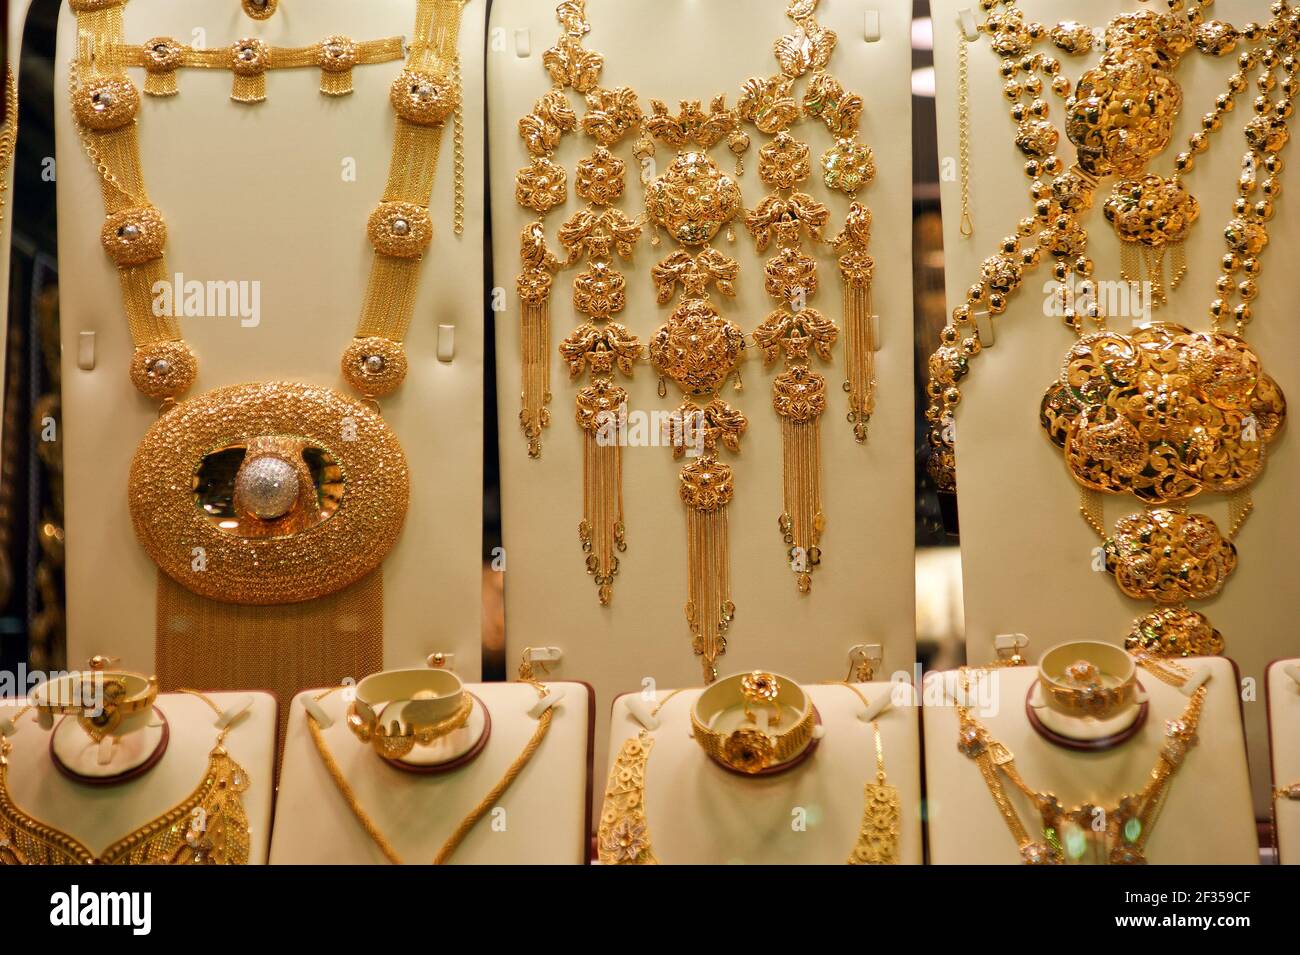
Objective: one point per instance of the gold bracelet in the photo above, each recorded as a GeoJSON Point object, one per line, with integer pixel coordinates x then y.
{"type": "Point", "coordinates": [1088, 680]}
{"type": "Point", "coordinates": [250, 58]}
{"type": "Point", "coordinates": [397, 710]}
{"type": "Point", "coordinates": [748, 749]}
{"type": "Point", "coordinates": [101, 699]}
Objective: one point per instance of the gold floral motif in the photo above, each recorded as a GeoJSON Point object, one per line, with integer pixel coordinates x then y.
{"type": "Point", "coordinates": [1122, 113]}
{"type": "Point", "coordinates": [611, 115]}
{"type": "Point", "coordinates": [697, 348]}
{"type": "Point", "coordinates": [848, 166]}
{"type": "Point", "coordinates": [570, 65]}
{"type": "Point", "coordinates": [623, 837]}
{"type": "Point", "coordinates": [769, 103]}
{"type": "Point", "coordinates": [1072, 37]}
{"type": "Point", "coordinates": [692, 126]}
{"type": "Point", "coordinates": [809, 47]}
{"type": "Point", "coordinates": [1174, 632]}
{"type": "Point", "coordinates": [600, 178]}
{"type": "Point", "coordinates": [1151, 210]}
{"type": "Point", "coordinates": [785, 162]}
{"type": "Point", "coordinates": [542, 129]}
{"type": "Point", "coordinates": [541, 185]}
{"type": "Point", "coordinates": [601, 348]}
{"type": "Point", "coordinates": [1169, 556]}
{"type": "Point", "coordinates": [693, 199]}
{"type": "Point", "coordinates": [827, 100]}
{"type": "Point", "coordinates": [1164, 413]}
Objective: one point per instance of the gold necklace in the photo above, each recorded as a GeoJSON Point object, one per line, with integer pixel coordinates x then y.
{"type": "Point", "coordinates": [209, 827]}
{"type": "Point", "coordinates": [260, 9]}
{"type": "Point", "coordinates": [299, 491]}
{"type": "Point", "coordinates": [623, 837]}
{"type": "Point", "coordinates": [1164, 413]}
{"type": "Point", "coordinates": [795, 331]}
{"type": "Point", "coordinates": [8, 139]}
{"type": "Point", "coordinates": [249, 59]}
{"type": "Point", "coordinates": [1116, 835]}
{"type": "Point", "coordinates": [467, 824]}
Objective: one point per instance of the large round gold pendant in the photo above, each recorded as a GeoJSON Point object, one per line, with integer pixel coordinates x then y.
{"type": "Point", "coordinates": [268, 493]}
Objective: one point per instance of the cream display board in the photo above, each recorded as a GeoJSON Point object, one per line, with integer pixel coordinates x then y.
{"type": "Point", "coordinates": [669, 801]}
{"type": "Point", "coordinates": [1032, 565]}
{"type": "Point", "coordinates": [162, 788]}
{"type": "Point", "coordinates": [649, 553]}
{"type": "Point", "coordinates": [459, 813]}
{"type": "Point", "coordinates": [266, 206]}
{"type": "Point", "coordinates": [1206, 817]}
{"type": "Point", "coordinates": [1284, 746]}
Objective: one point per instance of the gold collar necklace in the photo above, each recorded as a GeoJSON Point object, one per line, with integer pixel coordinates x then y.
{"type": "Point", "coordinates": [210, 827]}
{"type": "Point", "coordinates": [623, 837]}
{"type": "Point", "coordinates": [299, 491]}
{"type": "Point", "coordinates": [1164, 414]}
{"type": "Point", "coordinates": [1072, 834]}
{"type": "Point", "coordinates": [693, 200]}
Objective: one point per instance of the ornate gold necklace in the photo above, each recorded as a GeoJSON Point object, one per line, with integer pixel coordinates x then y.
{"type": "Point", "coordinates": [1164, 413]}
{"type": "Point", "coordinates": [692, 201]}
{"type": "Point", "coordinates": [209, 827]}
{"type": "Point", "coordinates": [255, 497]}
{"type": "Point", "coordinates": [1114, 835]}
{"type": "Point", "coordinates": [623, 837]}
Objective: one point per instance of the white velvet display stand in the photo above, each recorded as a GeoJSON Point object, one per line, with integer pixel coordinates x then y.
{"type": "Point", "coordinates": [699, 813]}
{"type": "Point", "coordinates": [541, 819]}
{"type": "Point", "coordinates": [863, 591]}
{"type": "Point", "coordinates": [258, 193]}
{"type": "Point", "coordinates": [1284, 747]}
{"type": "Point", "coordinates": [1207, 817]}
{"type": "Point", "coordinates": [100, 815]}
{"type": "Point", "coordinates": [1027, 555]}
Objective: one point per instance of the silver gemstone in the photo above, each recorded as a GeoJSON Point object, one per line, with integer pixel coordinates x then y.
{"type": "Point", "coordinates": [160, 367]}
{"type": "Point", "coordinates": [103, 101]}
{"type": "Point", "coordinates": [268, 487]}
{"type": "Point", "coordinates": [401, 227]}
{"type": "Point", "coordinates": [129, 232]}
{"type": "Point", "coordinates": [373, 364]}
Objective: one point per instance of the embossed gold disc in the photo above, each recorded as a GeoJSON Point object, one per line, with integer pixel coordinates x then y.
{"type": "Point", "coordinates": [287, 528]}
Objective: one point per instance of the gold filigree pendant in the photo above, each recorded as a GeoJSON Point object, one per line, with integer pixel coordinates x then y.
{"type": "Point", "coordinates": [270, 493]}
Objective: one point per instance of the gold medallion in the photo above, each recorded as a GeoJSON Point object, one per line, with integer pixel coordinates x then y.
{"type": "Point", "coordinates": [271, 493]}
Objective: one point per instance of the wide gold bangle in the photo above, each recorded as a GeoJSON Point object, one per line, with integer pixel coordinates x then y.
{"type": "Point", "coordinates": [99, 697]}
{"type": "Point", "coordinates": [397, 710]}
{"type": "Point", "coordinates": [749, 748]}
{"type": "Point", "coordinates": [1088, 680]}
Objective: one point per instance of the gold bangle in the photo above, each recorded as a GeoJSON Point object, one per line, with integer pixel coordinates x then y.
{"type": "Point", "coordinates": [1088, 680]}
{"type": "Point", "coordinates": [397, 710]}
{"type": "Point", "coordinates": [100, 698]}
{"type": "Point", "coordinates": [749, 749]}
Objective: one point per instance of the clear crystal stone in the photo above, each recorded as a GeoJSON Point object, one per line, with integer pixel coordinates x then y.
{"type": "Point", "coordinates": [268, 487]}
{"type": "Point", "coordinates": [103, 101]}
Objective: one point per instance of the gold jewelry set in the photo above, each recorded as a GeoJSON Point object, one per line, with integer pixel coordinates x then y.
{"type": "Point", "coordinates": [472, 819]}
{"type": "Point", "coordinates": [419, 707]}
{"type": "Point", "coordinates": [1113, 835]}
{"type": "Point", "coordinates": [693, 200]}
{"type": "Point", "coordinates": [1164, 414]}
{"type": "Point", "coordinates": [623, 837]}
{"type": "Point", "coordinates": [269, 507]}
{"type": "Point", "coordinates": [208, 827]}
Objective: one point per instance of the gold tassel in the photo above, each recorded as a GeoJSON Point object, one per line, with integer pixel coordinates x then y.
{"type": "Point", "coordinates": [602, 531]}
{"type": "Point", "coordinates": [534, 287]}
{"type": "Point", "coordinates": [1130, 267]}
{"type": "Point", "coordinates": [709, 609]}
{"type": "Point", "coordinates": [803, 521]}
{"type": "Point", "coordinates": [1180, 264]}
{"type": "Point", "coordinates": [161, 84]}
{"type": "Point", "coordinates": [336, 82]}
{"type": "Point", "coordinates": [248, 88]}
{"type": "Point", "coordinates": [856, 271]}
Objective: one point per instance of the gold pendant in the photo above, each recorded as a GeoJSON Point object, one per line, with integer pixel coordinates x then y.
{"type": "Point", "coordinates": [1152, 217]}
{"type": "Point", "coordinates": [269, 493]}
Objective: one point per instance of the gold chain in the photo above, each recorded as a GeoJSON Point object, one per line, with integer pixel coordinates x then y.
{"type": "Point", "coordinates": [963, 134]}
{"type": "Point", "coordinates": [468, 823]}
